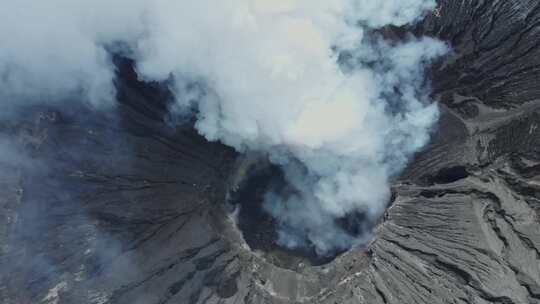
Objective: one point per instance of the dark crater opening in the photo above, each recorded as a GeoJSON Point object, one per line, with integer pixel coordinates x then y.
{"type": "Point", "coordinates": [259, 228]}
{"type": "Point", "coordinates": [447, 175]}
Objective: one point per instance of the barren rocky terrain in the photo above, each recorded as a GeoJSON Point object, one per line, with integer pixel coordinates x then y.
{"type": "Point", "coordinates": [120, 207]}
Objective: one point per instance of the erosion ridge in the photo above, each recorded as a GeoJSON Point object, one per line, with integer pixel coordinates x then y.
{"type": "Point", "coordinates": [119, 207]}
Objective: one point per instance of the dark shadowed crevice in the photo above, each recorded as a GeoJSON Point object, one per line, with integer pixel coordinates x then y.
{"type": "Point", "coordinates": [446, 175]}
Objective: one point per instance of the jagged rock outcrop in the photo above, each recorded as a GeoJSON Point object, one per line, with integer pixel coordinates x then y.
{"type": "Point", "coordinates": [118, 207]}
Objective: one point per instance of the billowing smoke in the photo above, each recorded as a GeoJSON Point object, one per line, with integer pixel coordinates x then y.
{"type": "Point", "coordinates": [310, 83]}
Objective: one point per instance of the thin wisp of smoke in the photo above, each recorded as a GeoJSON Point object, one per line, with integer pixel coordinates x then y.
{"type": "Point", "coordinates": [260, 75]}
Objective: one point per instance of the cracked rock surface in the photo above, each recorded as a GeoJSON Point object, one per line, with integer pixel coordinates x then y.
{"type": "Point", "coordinates": [117, 207]}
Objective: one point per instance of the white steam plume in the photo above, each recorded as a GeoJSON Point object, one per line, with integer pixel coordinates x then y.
{"type": "Point", "coordinates": [261, 75]}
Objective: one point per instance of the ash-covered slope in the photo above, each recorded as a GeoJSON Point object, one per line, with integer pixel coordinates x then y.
{"type": "Point", "coordinates": [120, 208]}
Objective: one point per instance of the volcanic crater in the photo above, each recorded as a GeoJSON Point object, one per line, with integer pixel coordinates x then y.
{"type": "Point", "coordinates": [134, 210]}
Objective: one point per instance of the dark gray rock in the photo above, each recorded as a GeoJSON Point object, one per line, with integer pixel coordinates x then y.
{"type": "Point", "coordinates": [117, 207]}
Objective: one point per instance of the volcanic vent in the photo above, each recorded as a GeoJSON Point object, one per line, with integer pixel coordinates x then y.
{"type": "Point", "coordinates": [253, 179]}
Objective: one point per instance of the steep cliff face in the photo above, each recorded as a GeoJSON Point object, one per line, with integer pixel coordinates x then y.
{"type": "Point", "coordinates": [119, 207]}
